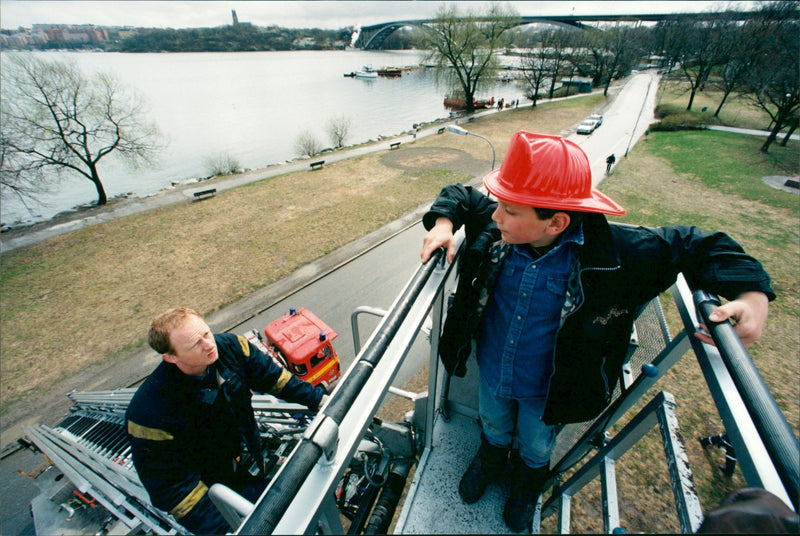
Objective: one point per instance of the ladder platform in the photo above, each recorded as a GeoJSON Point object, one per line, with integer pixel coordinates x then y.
{"type": "Point", "coordinates": [433, 505]}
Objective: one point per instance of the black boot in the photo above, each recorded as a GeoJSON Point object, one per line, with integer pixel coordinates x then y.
{"type": "Point", "coordinates": [487, 465]}
{"type": "Point", "coordinates": [526, 486]}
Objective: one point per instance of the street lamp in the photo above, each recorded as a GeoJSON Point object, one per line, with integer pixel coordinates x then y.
{"type": "Point", "coordinates": [455, 129]}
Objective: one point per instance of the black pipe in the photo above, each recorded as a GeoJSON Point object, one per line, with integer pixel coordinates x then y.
{"type": "Point", "coordinates": [270, 508]}
{"type": "Point", "coordinates": [387, 503]}
{"type": "Point", "coordinates": [772, 426]}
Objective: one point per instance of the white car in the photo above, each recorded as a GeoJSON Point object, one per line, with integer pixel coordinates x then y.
{"type": "Point", "coordinates": [598, 118]}
{"type": "Point", "coordinates": [587, 126]}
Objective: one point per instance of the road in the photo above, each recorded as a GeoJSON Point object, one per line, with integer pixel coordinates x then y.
{"type": "Point", "coordinates": [370, 272]}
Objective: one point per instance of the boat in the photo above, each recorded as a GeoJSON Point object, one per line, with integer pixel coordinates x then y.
{"type": "Point", "coordinates": [457, 101]}
{"type": "Point", "coordinates": [366, 72]}
{"type": "Point", "coordinates": [390, 71]}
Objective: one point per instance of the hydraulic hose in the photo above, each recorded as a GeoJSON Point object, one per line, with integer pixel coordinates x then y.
{"type": "Point", "coordinates": [383, 512]}
{"type": "Point", "coordinates": [269, 510]}
{"type": "Point", "coordinates": [774, 429]}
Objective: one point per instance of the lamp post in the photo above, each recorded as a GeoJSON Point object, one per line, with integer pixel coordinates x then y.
{"type": "Point", "coordinates": [455, 129]}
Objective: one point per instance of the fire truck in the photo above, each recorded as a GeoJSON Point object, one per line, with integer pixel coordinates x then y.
{"type": "Point", "coordinates": [301, 342]}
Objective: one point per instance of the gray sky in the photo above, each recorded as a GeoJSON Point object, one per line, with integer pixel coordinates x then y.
{"type": "Point", "coordinates": [295, 14]}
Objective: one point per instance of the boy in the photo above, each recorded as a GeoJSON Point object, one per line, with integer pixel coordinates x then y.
{"type": "Point", "coordinates": [549, 292]}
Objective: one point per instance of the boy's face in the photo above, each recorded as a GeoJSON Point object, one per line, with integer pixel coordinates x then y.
{"type": "Point", "coordinates": [520, 224]}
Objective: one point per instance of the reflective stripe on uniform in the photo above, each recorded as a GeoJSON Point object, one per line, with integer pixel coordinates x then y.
{"type": "Point", "coordinates": [245, 345]}
{"type": "Point", "coordinates": [283, 379]}
{"type": "Point", "coordinates": [190, 501]}
{"type": "Point", "coordinates": [144, 432]}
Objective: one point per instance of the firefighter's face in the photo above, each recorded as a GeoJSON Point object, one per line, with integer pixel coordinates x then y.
{"type": "Point", "coordinates": [194, 345]}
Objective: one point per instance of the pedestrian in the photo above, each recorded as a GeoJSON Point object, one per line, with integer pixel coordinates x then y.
{"type": "Point", "coordinates": [610, 162]}
{"type": "Point", "coordinates": [190, 419]}
{"type": "Point", "coordinates": [548, 290]}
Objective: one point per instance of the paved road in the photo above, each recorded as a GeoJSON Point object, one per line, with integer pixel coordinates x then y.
{"type": "Point", "coordinates": [371, 271]}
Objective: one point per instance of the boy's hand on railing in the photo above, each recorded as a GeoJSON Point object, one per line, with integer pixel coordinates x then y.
{"type": "Point", "coordinates": [440, 235]}
{"type": "Point", "coordinates": [748, 313]}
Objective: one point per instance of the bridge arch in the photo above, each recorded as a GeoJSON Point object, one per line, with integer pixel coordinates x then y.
{"type": "Point", "coordinates": [372, 37]}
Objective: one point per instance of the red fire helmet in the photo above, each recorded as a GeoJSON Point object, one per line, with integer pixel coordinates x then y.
{"type": "Point", "coordinates": [545, 171]}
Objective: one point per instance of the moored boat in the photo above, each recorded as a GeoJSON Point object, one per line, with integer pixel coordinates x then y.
{"type": "Point", "coordinates": [390, 71]}
{"type": "Point", "coordinates": [457, 101]}
{"type": "Point", "coordinates": [366, 72]}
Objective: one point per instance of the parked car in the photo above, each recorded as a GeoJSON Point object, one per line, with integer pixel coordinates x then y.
{"type": "Point", "coordinates": [598, 118]}
{"type": "Point", "coordinates": [587, 126]}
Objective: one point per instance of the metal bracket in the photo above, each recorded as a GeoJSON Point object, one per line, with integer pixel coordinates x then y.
{"type": "Point", "coordinates": [325, 435]}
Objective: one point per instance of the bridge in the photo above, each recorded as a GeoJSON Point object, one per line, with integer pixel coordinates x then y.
{"type": "Point", "coordinates": [372, 37]}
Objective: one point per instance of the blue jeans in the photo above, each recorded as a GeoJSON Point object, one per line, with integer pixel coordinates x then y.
{"type": "Point", "coordinates": [504, 419]}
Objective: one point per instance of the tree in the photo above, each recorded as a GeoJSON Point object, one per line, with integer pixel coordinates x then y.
{"type": "Point", "coordinates": [556, 43]}
{"type": "Point", "coordinates": [737, 65]}
{"type": "Point", "coordinates": [464, 48]}
{"type": "Point", "coordinates": [621, 48]}
{"type": "Point", "coordinates": [338, 129]}
{"type": "Point", "coordinates": [306, 144]}
{"type": "Point", "coordinates": [699, 47]}
{"type": "Point", "coordinates": [57, 120]}
{"type": "Point", "coordinates": [536, 68]}
{"type": "Point", "coordinates": [774, 79]}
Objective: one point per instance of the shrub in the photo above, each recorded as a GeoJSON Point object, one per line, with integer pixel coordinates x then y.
{"type": "Point", "coordinates": [307, 144]}
{"type": "Point", "coordinates": [222, 164]}
{"type": "Point", "coordinates": [673, 119]}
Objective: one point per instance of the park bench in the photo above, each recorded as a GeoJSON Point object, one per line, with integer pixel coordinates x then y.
{"type": "Point", "coordinates": [394, 145]}
{"type": "Point", "coordinates": [317, 165]}
{"type": "Point", "coordinates": [205, 194]}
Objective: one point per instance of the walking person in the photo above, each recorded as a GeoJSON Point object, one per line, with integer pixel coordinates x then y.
{"type": "Point", "coordinates": [548, 291]}
{"type": "Point", "coordinates": [610, 162]}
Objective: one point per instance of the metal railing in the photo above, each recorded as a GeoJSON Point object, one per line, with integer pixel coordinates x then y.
{"type": "Point", "coordinates": [300, 495]}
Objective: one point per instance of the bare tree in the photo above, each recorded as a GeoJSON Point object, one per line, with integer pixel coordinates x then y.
{"type": "Point", "coordinates": [536, 68]}
{"type": "Point", "coordinates": [621, 48]}
{"type": "Point", "coordinates": [56, 119]}
{"type": "Point", "coordinates": [465, 48]}
{"type": "Point", "coordinates": [338, 129]}
{"type": "Point", "coordinates": [306, 144]}
{"type": "Point", "coordinates": [699, 47]}
{"type": "Point", "coordinates": [774, 81]}
{"type": "Point", "coordinates": [556, 43]}
{"type": "Point", "coordinates": [738, 60]}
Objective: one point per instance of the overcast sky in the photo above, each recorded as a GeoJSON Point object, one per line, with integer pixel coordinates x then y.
{"type": "Point", "coordinates": [298, 14]}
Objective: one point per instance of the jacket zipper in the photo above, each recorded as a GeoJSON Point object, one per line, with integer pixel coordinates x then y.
{"type": "Point", "coordinates": [564, 321]}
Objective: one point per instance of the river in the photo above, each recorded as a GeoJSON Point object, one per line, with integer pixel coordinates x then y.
{"type": "Point", "coordinates": [251, 106]}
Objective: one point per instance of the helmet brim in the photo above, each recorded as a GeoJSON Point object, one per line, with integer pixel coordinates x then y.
{"type": "Point", "coordinates": [597, 203]}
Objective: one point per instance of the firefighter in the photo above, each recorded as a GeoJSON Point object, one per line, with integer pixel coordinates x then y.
{"type": "Point", "coordinates": [192, 418]}
{"type": "Point", "coordinates": [549, 292]}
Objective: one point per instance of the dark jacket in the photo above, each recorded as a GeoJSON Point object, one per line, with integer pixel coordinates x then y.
{"type": "Point", "coordinates": [185, 431]}
{"type": "Point", "coordinates": [619, 269]}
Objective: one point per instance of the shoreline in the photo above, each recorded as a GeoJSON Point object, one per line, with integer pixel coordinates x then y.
{"type": "Point", "coordinates": [117, 207]}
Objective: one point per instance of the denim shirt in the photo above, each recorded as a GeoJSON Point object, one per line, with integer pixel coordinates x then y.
{"type": "Point", "coordinates": [517, 337]}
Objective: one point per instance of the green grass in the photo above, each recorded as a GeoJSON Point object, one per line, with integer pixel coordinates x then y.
{"type": "Point", "coordinates": [730, 162]}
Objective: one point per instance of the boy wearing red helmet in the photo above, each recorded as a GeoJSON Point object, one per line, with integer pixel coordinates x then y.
{"type": "Point", "coordinates": [548, 291]}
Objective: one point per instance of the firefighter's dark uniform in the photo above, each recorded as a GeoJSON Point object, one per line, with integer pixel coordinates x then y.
{"type": "Point", "coordinates": [186, 431]}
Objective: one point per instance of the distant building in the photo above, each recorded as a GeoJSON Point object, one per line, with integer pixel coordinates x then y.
{"type": "Point", "coordinates": [235, 18]}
